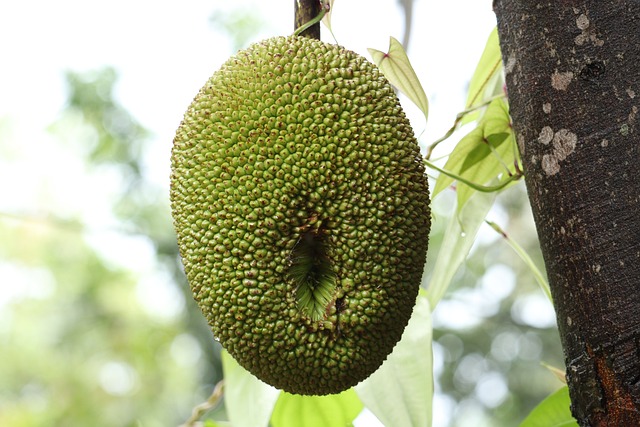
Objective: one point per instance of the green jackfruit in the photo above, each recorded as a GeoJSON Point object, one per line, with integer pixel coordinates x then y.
{"type": "Point", "coordinates": [301, 207]}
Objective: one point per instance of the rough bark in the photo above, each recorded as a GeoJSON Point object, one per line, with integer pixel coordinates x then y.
{"type": "Point", "coordinates": [573, 81]}
{"type": "Point", "coordinates": [305, 11]}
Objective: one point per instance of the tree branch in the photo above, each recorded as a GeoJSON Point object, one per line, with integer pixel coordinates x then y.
{"type": "Point", "coordinates": [305, 11]}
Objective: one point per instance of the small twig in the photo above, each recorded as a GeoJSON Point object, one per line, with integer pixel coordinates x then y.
{"type": "Point", "coordinates": [478, 187]}
{"type": "Point", "coordinates": [204, 407]}
{"type": "Point", "coordinates": [456, 123]}
{"type": "Point", "coordinates": [539, 276]}
{"type": "Point", "coordinates": [495, 153]}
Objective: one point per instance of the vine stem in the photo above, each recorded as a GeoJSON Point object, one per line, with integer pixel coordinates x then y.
{"type": "Point", "coordinates": [205, 406]}
{"type": "Point", "coordinates": [537, 274]}
{"type": "Point", "coordinates": [456, 123]}
{"type": "Point", "coordinates": [308, 14]}
{"type": "Point", "coordinates": [478, 187]}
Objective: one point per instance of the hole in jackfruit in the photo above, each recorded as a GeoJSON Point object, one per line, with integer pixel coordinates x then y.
{"type": "Point", "coordinates": [312, 275]}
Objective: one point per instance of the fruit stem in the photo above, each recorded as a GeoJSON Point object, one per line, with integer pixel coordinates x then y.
{"type": "Point", "coordinates": [307, 11]}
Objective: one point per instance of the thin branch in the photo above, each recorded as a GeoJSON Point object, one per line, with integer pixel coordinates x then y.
{"type": "Point", "coordinates": [478, 187]}
{"type": "Point", "coordinates": [204, 407]}
{"type": "Point", "coordinates": [539, 276]}
{"type": "Point", "coordinates": [456, 123]}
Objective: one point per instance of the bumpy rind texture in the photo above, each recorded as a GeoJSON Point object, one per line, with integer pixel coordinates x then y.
{"type": "Point", "coordinates": [294, 138]}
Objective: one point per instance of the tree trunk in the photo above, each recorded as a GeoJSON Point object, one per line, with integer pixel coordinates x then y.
{"type": "Point", "coordinates": [305, 11]}
{"type": "Point", "coordinates": [573, 81]}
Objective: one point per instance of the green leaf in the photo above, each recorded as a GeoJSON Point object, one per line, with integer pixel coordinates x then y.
{"type": "Point", "coordinates": [483, 155]}
{"type": "Point", "coordinates": [554, 411]}
{"type": "Point", "coordinates": [490, 161]}
{"type": "Point", "coordinates": [485, 77]}
{"type": "Point", "coordinates": [242, 391]}
{"type": "Point", "coordinates": [458, 239]}
{"type": "Point", "coordinates": [293, 410]}
{"type": "Point", "coordinates": [400, 392]}
{"type": "Point", "coordinates": [396, 67]}
{"type": "Point", "coordinates": [457, 158]}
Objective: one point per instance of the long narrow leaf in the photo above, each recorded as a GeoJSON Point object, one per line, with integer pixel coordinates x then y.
{"type": "Point", "coordinates": [484, 77]}
{"type": "Point", "coordinates": [396, 67]}
{"type": "Point", "coordinates": [400, 393]}
{"type": "Point", "coordinates": [458, 238]}
{"type": "Point", "coordinates": [326, 19]}
{"type": "Point", "coordinates": [242, 391]}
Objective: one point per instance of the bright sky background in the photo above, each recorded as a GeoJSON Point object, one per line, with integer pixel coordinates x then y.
{"type": "Point", "coordinates": [164, 52]}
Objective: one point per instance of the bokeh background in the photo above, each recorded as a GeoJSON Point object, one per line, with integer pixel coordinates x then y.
{"type": "Point", "coordinates": [97, 324]}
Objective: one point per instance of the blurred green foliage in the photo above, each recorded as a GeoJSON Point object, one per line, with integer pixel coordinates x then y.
{"type": "Point", "coordinates": [239, 24]}
{"type": "Point", "coordinates": [80, 342]}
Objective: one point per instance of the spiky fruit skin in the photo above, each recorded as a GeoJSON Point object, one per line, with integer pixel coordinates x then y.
{"type": "Point", "coordinates": [295, 170]}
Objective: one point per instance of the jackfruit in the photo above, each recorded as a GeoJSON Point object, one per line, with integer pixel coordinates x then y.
{"type": "Point", "coordinates": [301, 207]}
